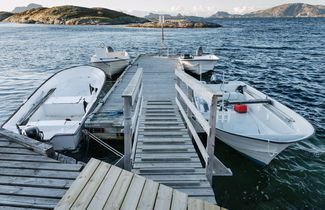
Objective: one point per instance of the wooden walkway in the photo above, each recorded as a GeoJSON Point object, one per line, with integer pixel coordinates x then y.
{"type": "Point", "coordinates": [165, 152]}
{"type": "Point", "coordinates": [106, 121]}
{"type": "Point", "coordinates": [104, 186]}
{"type": "Point", "coordinates": [29, 179]}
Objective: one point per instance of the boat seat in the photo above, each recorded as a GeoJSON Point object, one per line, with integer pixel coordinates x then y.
{"type": "Point", "coordinates": [65, 106]}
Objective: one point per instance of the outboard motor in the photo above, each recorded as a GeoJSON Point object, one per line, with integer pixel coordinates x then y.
{"type": "Point", "coordinates": [199, 51]}
{"type": "Point", "coordinates": [34, 133]}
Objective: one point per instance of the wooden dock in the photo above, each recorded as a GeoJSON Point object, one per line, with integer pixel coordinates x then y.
{"type": "Point", "coordinates": [157, 141]}
{"type": "Point", "coordinates": [106, 121]}
{"type": "Point", "coordinates": [104, 186]}
{"type": "Point", "coordinates": [165, 153]}
{"type": "Point", "coordinates": [28, 177]}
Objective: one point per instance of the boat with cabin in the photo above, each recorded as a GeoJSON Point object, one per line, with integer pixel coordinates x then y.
{"type": "Point", "coordinates": [56, 111]}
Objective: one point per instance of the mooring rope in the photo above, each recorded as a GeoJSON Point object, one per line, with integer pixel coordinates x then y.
{"type": "Point", "coordinates": [101, 142]}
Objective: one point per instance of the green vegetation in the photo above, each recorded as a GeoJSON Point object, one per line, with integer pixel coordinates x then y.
{"type": "Point", "coordinates": [71, 15]}
{"type": "Point", "coordinates": [4, 15]}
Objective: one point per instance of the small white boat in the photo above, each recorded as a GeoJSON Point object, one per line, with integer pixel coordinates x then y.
{"type": "Point", "coordinates": [56, 111]}
{"type": "Point", "coordinates": [199, 63]}
{"type": "Point", "coordinates": [109, 61]}
{"type": "Point", "coordinates": [261, 132]}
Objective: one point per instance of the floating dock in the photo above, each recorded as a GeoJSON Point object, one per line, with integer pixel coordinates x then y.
{"type": "Point", "coordinates": [142, 109]}
{"type": "Point", "coordinates": [28, 177]}
{"type": "Point", "coordinates": [104, 186]}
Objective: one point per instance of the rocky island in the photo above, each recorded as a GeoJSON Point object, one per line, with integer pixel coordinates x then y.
{"type": "Point", "coordinates": [4, 15]}
{"type": "Point", "coordinates": [293, 10]}
{"type": "Point", "coordinates": [73, 15]}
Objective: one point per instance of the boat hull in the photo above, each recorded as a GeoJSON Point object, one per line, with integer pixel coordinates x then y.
{"type": "Point", "coordinates": [58, 108]}
{"type": "Point", "coordinates": [260, 151]}
{"type": "Point", "coordinates": [112, 68]}
{"type": "Point", "coordinates": [198, 67]}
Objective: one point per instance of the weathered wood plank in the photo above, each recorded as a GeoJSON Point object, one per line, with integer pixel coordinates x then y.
{"type": "Point", "coordinates": [105, 189]}
{"type": "Point", "coordinates": [91, 187]}
{"type": "Point", "coordinates": [16, 208]}
{"type": "Point", "coordinates": [40, 165]}
{"type": "Point", "coordinates": [148, 196]}
{"type": "Point", "coordinates": [35, 182]}
{"type": "Point", "coordinates": [31, 191]}
{"type": "Point", "coordinates": [39, 173]}
{"type": "Point", "coordinates": [210, 206]}
{"type": "Point", "coordinates": [71, 195]}
{"type": "Point", "coordinates": [197, 139]}
{"type": "Point", "coordinates": [133, 195]}
{"type": "Point", "coordinates": [164, 198]}
{"type": "Point", "coordinates": [195, 204]}
{"type": "Point", "coordinates": [10, 144]}
{"type": "Point", "coordinates": [28, 201]}
{"type": "Point", "coordinates": [184, 177]}
{"type": "Point", "coordinates": [36, 146]}
{"type": "Point", "coordinates": [21, 151]}
{"type": "Point", "coordinates": [116, 198]}
{"type": "Point", "coordinates": [167, 165]}
{"type": "Point", "coordinates": [179, 201]}
{"type": "Point", "coordinates": [35, 158]}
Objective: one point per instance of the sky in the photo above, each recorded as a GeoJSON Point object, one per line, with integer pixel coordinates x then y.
{"type": "Point", "coordinates": [142, 7]}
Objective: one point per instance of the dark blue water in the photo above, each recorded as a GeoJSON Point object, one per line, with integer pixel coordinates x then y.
{"type": "Point", "coordinates": [284, 58]}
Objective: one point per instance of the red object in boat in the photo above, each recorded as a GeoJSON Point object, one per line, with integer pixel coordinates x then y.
{"type": "Point", "coordinates": [240, 108]}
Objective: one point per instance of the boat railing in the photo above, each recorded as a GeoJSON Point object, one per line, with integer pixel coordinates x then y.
{"type": "Point", "coordinates": [188, 84]}
{"type": "Point", "coordinates": [132, 96]}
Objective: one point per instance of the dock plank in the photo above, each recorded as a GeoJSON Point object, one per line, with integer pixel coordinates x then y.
{"type": "Point", "coordinates": [120, 189]}
{"type": "Point", "coordinates": [148, 196]}
{"type": "Point", "coordinates": [71, 195]}
{"type": "Point", "coordinates": [179, 201]}
{"type": "Point", "coordinates": [33, 182]}
{"type": "Point", "coordinates": [164, 198]}
{"type": "Point", "coordinates": [132, 197]}
{"type": "Point", "coordinates": [30, 179]}
{"type": "Point", "coordinates": [91, 187]}
{"type": "Point", "coordinates": [105, 189]}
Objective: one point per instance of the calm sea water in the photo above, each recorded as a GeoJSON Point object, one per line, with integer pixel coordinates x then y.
{"type": "Point", "coordinates": [284, 58]}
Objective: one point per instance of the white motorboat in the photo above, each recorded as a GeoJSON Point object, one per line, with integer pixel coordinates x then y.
{"type": "Point", "coordinates": [263, 129]}
{"type": "Point", "coordinates": [56, 111]}
{"type": "Point", "coordinates": [199, 63]}
{"type": "Point", "coordinates": [109, 61]}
